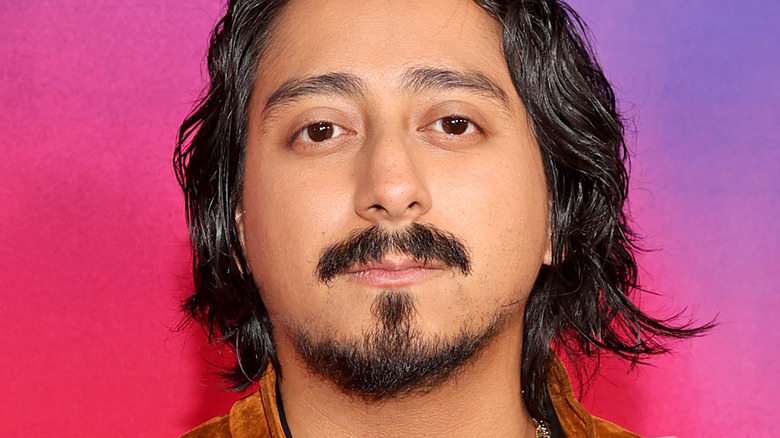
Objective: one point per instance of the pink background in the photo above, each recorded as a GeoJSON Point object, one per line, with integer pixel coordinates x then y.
{"type": "Point", "coordinates": [94, 256]}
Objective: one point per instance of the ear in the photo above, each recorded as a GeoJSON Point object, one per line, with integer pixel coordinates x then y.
{"type": "Point", "coordinates": [238, 217]}
{"type": "Point", "coordinates": [548, 250]}
{"type": "Point", "coordinates": [547, 259]}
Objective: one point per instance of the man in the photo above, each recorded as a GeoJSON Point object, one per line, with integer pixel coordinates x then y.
{"type": "Point", "coordinates": [398, 208]}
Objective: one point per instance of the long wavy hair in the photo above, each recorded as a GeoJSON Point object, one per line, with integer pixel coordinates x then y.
{"type": "Point", "coordinates": [579, 305]}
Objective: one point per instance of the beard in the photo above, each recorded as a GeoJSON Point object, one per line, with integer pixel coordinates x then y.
{"type": "Point", "coordinates": [395, 358]}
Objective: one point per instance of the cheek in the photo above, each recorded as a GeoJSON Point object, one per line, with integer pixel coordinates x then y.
{"type": "Point", "coordinates": [288, 214]}
{"type": "Point", "coordinates": [501, 210]}
{"type": "Point", "coordinates": [289, 221]}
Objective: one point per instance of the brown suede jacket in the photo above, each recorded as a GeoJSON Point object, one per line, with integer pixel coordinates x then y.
{"type": "Point", "coordinates": [256, 415]}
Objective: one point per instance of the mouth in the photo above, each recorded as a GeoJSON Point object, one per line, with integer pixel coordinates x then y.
{"type": "Point", "coordinates": [394, 272]}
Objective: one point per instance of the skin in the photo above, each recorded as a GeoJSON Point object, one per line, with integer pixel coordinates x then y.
{"type": "Point", "coordinates": [390, 162]}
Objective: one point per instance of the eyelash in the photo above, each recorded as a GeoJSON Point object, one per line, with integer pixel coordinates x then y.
{"type": "Point", "coordinates": [338, 131]}
{"type": "Point", "coordinates": [437, 125]}
{"type": "Point", "coordinates": [471, 125]}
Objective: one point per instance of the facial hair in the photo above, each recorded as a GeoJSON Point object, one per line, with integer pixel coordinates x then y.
{"type": "Point", "coordinates": [394, 358]}
{"type": "Point", "coordinates": [421, 242]}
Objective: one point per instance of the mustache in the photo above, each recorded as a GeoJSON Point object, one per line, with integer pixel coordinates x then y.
{"type": "Point", "coordinates": [422, 242]}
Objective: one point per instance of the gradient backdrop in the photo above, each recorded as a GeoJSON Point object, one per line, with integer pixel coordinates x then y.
{"type": "Point", "coordinates": [93, 249]}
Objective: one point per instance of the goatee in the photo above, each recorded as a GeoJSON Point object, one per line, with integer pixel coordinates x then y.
{"type": "Point", "coordinates": [394, 358]}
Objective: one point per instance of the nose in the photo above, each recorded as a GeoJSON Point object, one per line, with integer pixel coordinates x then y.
{"type": "Point", "coordinates": [391, 187]}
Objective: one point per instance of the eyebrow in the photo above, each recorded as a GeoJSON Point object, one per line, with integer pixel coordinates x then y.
{"type": "Point", "coordinates": [335, 84]}
{"type": "Point", "coordinates": [417, 79]}
{"type": "Point", "coordinates": [432, 78]}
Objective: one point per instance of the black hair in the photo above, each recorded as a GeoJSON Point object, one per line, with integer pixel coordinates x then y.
{"type": "Point", "coordinates": [579, 305]}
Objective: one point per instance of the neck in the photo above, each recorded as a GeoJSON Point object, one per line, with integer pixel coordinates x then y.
{"type": "Point", "coordinates": [482, 399]}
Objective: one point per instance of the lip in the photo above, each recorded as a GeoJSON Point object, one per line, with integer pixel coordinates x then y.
{"type": "Point", "coordinates": [394, 272]}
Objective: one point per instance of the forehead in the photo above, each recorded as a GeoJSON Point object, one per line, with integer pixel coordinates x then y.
{"type": "Point", "coordinates": [379, 40]}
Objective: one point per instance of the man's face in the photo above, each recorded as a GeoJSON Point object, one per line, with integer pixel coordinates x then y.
{"type": "Point", "coordinates": [387, 114]}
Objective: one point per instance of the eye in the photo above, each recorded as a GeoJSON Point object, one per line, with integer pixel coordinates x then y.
{"type": "Point", "coordinates": [320, 131]}
{"type": "Point", "coordinates": [455, 125]}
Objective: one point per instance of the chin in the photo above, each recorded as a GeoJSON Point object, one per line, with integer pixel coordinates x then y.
{"type": "Point", "coordinates": [395, 357]}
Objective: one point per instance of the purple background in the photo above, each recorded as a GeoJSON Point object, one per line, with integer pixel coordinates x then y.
{"type": "Point", "coordinates": [93, 249]}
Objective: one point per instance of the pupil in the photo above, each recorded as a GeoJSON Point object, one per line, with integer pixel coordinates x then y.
{"type": "Point", "coordinates": [320, 131]}
{"type": "Point", "coordinates": [455, 125]}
